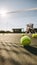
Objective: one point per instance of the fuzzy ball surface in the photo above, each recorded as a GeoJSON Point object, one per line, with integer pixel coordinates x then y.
{"type": "Point", "coordinates": [25, 40]}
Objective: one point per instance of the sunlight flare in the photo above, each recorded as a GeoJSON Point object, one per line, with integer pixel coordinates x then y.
{"type": "Point", "coordinates": [3, 12]}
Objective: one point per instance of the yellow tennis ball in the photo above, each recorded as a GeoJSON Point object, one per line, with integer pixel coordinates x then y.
{"type": "Point", "coordinates": [25, 40]}
{"type": "Point", "coordinates": [34, 35]}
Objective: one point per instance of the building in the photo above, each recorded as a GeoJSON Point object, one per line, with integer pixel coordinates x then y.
{"type": "Point", "coordinates": [17, 30]}
{"type": "Point", "coordinates": [35, 29]}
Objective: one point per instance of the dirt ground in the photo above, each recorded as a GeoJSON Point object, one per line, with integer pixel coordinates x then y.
{"type": "Point", "coordinates": [12, 53]}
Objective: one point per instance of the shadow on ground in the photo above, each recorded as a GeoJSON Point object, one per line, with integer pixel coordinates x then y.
{"type": "Point", "coordinates": [31, 49]}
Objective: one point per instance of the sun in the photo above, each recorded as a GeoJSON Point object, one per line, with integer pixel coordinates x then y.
{"type": "Point", "coordinates": [3, 13]}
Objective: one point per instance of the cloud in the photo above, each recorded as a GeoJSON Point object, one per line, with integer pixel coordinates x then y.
{"type": "Point", "coordinates": [31, 9]}
{"type": "Point", "coordinates": [23, 10]}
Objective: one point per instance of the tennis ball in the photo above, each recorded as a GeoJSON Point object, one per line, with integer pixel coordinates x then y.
{"type": "Point", "coordinates": [34, 35]}
{"type": "Point", "coordinates": [25, 40]}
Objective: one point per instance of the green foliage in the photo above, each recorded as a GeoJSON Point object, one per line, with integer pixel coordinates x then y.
{"type": "Point", "coordinates": [34, 35]}
{"type": "Point", "coordinates": [25, 40]}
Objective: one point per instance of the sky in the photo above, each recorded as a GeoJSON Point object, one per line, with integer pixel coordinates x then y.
{"type": "Point", "coordinates": [18, 13]}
